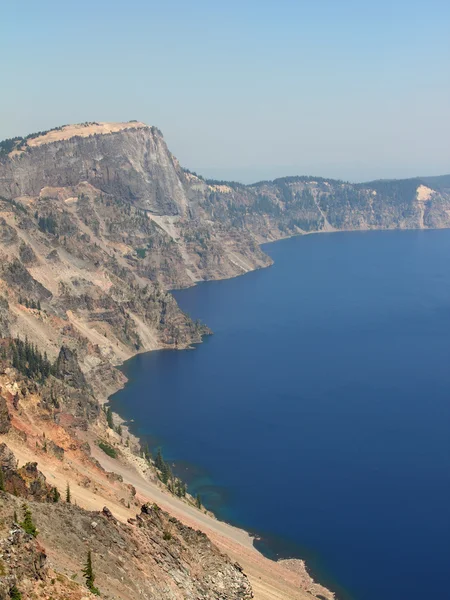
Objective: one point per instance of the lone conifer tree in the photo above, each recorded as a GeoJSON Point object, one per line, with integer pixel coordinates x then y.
{"type": "Point", "coordinates": [27, 524]}
{"type": "Point", "coordinates": [2, 481]}
{"type": "Point", "coordinates": [159, 461]}
{"type": "Point", "coordinates": [56, 495]}
{"type": "Point", "coordinates": [89, 576]}
{"type": "Point", "coordinates": [146, 452]}
{"type": "Point", "coordinates": [109, 417]}
{"type": "Point", "coordinates": [68, 496]}
{"type": "Point", "coordinates": [198, 501]}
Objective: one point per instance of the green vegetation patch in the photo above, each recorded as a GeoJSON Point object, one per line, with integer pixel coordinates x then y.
{"type": "Point", "coordinates": [107, 449]}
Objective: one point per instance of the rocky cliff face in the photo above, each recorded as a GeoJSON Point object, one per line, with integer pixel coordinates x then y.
{"type": "Point", "coordinates": [295, 205]}
{"type": "Point", "coordinates": [98, 220]}
{"type": "Point", "coordinates": [175, 227]}
{"type": "Point", "coordinates": [82, 265]}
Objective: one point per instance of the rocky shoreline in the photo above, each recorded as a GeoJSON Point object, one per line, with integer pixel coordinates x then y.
{"type": "Point", "coordinates": [295, 565]}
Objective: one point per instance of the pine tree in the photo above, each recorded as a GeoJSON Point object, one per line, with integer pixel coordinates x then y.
{"type": "Point", "coordinates": [166, 473]}
{"type": "Point", "coordinates": [88, 573]}
{"type": "Point", "coordinates": [27, 524]}
{"type": "Point", "coordinates": [27, 359]}
{"type": "Point", "coordinates": [15, 519]}
{"type": "Point", "coordinates": [180, 488]}
{"type": "Point", "coordinates": [68, 496]}
{"type": "Point", "coordinates": [109, 417]}
{"type": "Point", "coordinates": [159, 461]}
{"type": "Point", "coordinates": [2, 481]}
{"type": "Point", "coordinates": [146, 452]}
{"type": "Point", "coordinates": [198, 501]}
{"type": "Point", "coordinates": [56, 495]}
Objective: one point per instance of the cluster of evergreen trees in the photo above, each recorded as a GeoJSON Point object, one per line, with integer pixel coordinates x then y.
{"type": "Point", "coordinates": [17, 206]}
{"type": "Point", "coordinates": [165, 474]}
{"type": "Point", "coordinates": [30, 303]}
{"type": "Point", "coordinates": [28, 360]}
{"type": "Point", "coordinates": [175, 485]}
{"type": "Point", "coordinates": [19, 142]}
{"type": "Point", "coordinates": [47, 224]}
{"type": "Point", "coordinates": [6, 146]}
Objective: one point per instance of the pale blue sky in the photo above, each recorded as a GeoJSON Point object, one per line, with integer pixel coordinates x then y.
{"type": "Point", "coordinates": [247, 89]}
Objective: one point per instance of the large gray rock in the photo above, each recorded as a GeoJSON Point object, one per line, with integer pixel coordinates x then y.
{"type": "Point", "coordinates": [8, 461]}
{"type": "Point", "coordinates": [68, 370]}
{"type": "Point", "coordinates": [133, 164]}
{"type": "Point", "coordinates": [16, 275]}
{"type": "Point", "coordinates": [5, 419]}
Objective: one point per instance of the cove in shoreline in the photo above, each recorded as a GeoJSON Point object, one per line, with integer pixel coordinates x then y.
{"type": "Point", "coordinates": [216, 498]}
{"type": "Point", "coordinates": [320, 405]}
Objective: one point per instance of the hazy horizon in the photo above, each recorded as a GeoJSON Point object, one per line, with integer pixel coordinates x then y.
{"type": "Point", "coordinates": [243, 91]}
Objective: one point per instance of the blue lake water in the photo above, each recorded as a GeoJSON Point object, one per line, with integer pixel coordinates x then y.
{"type": "Point", "coordinates": [318, 414]}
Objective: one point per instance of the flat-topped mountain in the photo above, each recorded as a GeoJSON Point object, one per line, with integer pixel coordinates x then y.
{"type": "Point", "coordinates": [15, 146]}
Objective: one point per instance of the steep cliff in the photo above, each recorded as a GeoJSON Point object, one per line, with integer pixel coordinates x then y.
{"type": "Point", "coordinates": [98, 220]}
{"type": "Point", "coordinates": [173, 226]}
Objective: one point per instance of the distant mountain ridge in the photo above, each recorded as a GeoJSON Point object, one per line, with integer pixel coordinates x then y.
{"type": "Point", "coordinates": [99, 219]}
{"type": "Point", "coordinates": [438, 181]}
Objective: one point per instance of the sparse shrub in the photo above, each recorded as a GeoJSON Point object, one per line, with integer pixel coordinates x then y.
{"type": "Point", "coordinates": [14, 593]}
{"type": "Point", "coordinates": [107, 449]}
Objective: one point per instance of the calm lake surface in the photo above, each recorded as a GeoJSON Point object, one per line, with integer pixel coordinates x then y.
{"type": "Point", "coordinates": [318, 414]}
